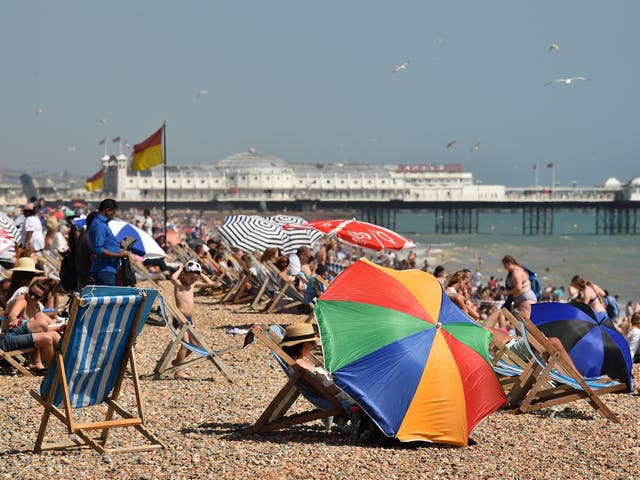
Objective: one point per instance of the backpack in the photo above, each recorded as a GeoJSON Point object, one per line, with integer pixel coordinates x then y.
{"type": "Point", "coordinates": [68, 278]}
{"type": "Point", "coordinates": [536, 287]}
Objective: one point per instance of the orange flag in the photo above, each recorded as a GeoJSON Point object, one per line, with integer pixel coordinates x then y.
{"type": "Point", "coordinates": [148, 153]}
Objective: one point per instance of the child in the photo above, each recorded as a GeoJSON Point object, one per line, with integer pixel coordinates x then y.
{"type": "Point", "coordinates": [185, 279]}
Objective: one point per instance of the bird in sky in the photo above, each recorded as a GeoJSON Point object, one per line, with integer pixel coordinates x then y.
{"type": "Point", "coordinates": [127, 144]}
{"type": "Point", "coordinates": [202, 92]}
{"type": "Point", "coordinates": [554, 47]}
{"type": "Point", "coordinates": [475, 147]}
{"type": "Point", "coordinates": [39, 110]}
{"type": "Point", "coordinates": [102, 120]}
{"type": "Point", "coordinates": [72, 148]}
{"type": "Point", "coordinates": [567, 81]}
{"type": "Point", "coordinates": [451, 144]}
{"type": "Point", "coordinates": [399, 68]}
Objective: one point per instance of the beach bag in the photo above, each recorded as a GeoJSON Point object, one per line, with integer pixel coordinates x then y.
{"type": "Point", "coordinates": [67, 273]}
{"type": "Point", "coordinates": [128, 276]}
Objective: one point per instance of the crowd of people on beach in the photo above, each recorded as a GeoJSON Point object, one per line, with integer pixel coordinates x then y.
{"type": "Point", "coordinates": [46, 229]}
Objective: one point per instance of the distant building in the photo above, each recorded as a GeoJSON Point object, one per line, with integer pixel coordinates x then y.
{"type": "Point", "coordinates": [252, 176]}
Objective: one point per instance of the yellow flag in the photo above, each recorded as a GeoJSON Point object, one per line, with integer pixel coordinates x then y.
{"type": "Point", "coordinates": [148, 153]}
{"type": "Point", "coordinates": [95, 182]}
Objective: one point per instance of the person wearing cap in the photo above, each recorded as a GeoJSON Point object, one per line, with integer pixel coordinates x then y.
{"type": "Point", "coordinates": [185, 279]}
{"type": "Point", "coordinates": [106, 248]}
{"type": "Point", "coordinates": [32, 234]}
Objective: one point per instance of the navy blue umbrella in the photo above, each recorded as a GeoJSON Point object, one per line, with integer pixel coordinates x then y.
{"type": "Point", "coordinates": [595, 347]}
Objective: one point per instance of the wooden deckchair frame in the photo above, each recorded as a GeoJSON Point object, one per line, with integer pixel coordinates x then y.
{"type": "Point", "coordinates": [16, 358]}
{"type": "Point", "coordinates": [535, 389]}
{"type": "Point", "coordinates": [82, 429]}
{"type": "Point", "coordinates": [275, 416]}
{"type": "Point", "coordinates": [165, 365]}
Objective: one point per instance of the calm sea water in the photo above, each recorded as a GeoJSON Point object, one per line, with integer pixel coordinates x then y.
{"type": "Point", "coordinates": [611, 261]}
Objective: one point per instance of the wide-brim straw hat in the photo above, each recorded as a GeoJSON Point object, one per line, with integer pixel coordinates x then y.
{"type": "Point", "coordinates": [25, 264]}
{"type": "Point", "coordinates": [299, 333]}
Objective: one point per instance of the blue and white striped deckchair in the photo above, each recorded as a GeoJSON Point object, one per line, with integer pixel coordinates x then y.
{"type": "Point", "coordinates": [300, 381]}
{"type": "Point", "coordinates": [549, 379]}
{"type": "Point", "coordinates": [203, 352]}
{"type": "Point", "coordinates": [89, 367]}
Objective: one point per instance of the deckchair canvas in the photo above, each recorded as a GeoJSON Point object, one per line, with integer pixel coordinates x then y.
{"type": "Point", "coordinates": [202, 352]}
{"type": "Point", "coordinates": [548, 379]}
{"type": "Point", "coordinates": [300, 381]}
{"type": "Point", "coordinates": [89, 369]}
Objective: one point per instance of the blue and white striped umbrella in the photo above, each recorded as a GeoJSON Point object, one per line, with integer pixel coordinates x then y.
{"type": "Point", "coordinates": [252, 233]}
{"type": "Point", "coordinates": [297, 237]}
{"type": "Point", "coordinates": [145, 246]}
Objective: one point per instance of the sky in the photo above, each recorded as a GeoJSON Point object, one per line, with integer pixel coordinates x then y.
{"type": "Point", "coordinates": [312, 82]}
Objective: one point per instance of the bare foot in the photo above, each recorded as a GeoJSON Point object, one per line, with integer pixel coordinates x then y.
{"type": "Point", "coordinates": [181, 374]}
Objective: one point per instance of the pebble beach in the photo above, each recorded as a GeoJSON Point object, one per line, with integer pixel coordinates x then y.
{"type": "Point", "coordinates": [201, 422]}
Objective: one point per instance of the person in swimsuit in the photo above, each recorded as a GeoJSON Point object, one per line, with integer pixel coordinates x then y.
{"type": "Point", "coordinates": [589, 294]}
{"type": "Point", "coordinates": [518, 285]}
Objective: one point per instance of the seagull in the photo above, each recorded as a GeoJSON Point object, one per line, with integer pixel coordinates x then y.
{"type": "Point", "coordinates": [102, 120]}
{"type": "Point", "coordinates": [202, 92]}
{"type": "Point", "coordinates": [567, 81]}
{"type": "Point", "coordinates": [127, 144]}
{"type": "Point", "coordinates": [475, 148]}
{"type": "Point", "coordinates": [399, 68]}
{"type": "Point", "coordinates": [72, 148]}
{"type": "Point", "coordinates": [451, 144]}
{"type": "Point", "coordinates": [39, 110]}
{"type": "Point", "coordinates": [554, 47]}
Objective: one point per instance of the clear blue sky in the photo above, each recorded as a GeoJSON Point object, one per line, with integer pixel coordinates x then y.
{"type": "Point", "coordinates": [312, 82]}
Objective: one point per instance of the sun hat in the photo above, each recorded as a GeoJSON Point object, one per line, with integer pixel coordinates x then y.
{"type": "Point", "coordinates": [25, 264]}
{"type": "Point", "coordinates": [192, 267]}
{"type": "Point", "coordinates": [299, 333]}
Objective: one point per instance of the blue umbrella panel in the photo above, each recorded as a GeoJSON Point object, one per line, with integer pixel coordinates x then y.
{"type": "Point", "coordinates": [595, 347]}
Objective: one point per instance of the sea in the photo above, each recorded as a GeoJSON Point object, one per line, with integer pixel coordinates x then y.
{"type": "Point", "coordinates": [610, 261]}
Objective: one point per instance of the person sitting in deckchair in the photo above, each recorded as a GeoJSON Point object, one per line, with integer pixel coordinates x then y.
{"type": "Point", "coordinates": [299, 341]}
{"type": "Point", "coordinates": [25, 326]}
{"type": "Point", "coordinates": [185, 279]}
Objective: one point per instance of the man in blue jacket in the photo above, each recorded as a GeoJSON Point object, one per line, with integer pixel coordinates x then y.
{"type": "Point", "coordinates": [104, 245]}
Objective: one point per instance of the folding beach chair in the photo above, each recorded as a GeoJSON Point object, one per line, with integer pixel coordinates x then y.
{"type": "Point", "coordinates": [548, 379]}
{"type": "Point", "coordinates": [89, 370]}
{"type": "Point", "coordinates": [17, 359]}
{"type": "Point", "coordinates": [202, 352]}
{"type": "Point", "coordinates": [300, 382]}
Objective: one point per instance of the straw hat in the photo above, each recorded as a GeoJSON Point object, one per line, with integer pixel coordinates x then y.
{"type": "Point", "coordinates": [25, 264]}
{"type": "Point", "coordinates": [299, 333]}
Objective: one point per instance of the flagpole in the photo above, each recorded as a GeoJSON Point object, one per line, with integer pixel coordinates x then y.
{"type": "Point", "coordinates": [164, 161]}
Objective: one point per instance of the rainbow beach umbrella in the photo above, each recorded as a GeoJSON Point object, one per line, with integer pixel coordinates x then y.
{"type": "Point", "coordinates": [416, 364]}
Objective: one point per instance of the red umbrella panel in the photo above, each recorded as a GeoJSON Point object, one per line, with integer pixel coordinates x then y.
{"type": "Point", "coordinates": [360, 234]}
{"type": "Point", "coordinates": [416, 364]}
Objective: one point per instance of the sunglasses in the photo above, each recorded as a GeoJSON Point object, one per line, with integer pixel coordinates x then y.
{"type": "Point", "coordinates": [35, 295]}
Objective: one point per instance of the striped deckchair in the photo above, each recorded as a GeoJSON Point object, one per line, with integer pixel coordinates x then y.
{"type": "Point", "coordinates": [89, 368]}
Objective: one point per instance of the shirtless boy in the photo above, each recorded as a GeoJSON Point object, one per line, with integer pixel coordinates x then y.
{"type": "Point", "coordinates": [187, 278]}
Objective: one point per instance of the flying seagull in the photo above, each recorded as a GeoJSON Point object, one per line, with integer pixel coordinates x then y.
{"type": "Point", "coordinates": [567, 81]}
{"type": "Point", "coordinates": [202, 92]}
{"type": "Point", "coordinates": [39, 110]}
{"type": "Point", "coordinates": [554, 47]}
{"type": "Point", "coordinates": [72, 148]}
{"type": "Point", "coordinates": [475, 148]}
{"type": "Point", "coordinates": [399, 68]}
{"type": "Point", "coordinates": [102, 120]}
{"type": "Point", "coordinates": [451, 144]}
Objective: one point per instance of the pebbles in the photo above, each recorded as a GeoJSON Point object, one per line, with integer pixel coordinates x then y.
{"type": "Point", "coordinates": [201, 421]}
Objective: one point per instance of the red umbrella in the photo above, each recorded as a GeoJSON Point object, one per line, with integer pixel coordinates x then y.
{"type": "Point", "coordinates": [360, 234]}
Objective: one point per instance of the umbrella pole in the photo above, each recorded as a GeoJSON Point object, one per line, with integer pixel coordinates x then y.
{"type": "Point", "coordinates": [164, 161]}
